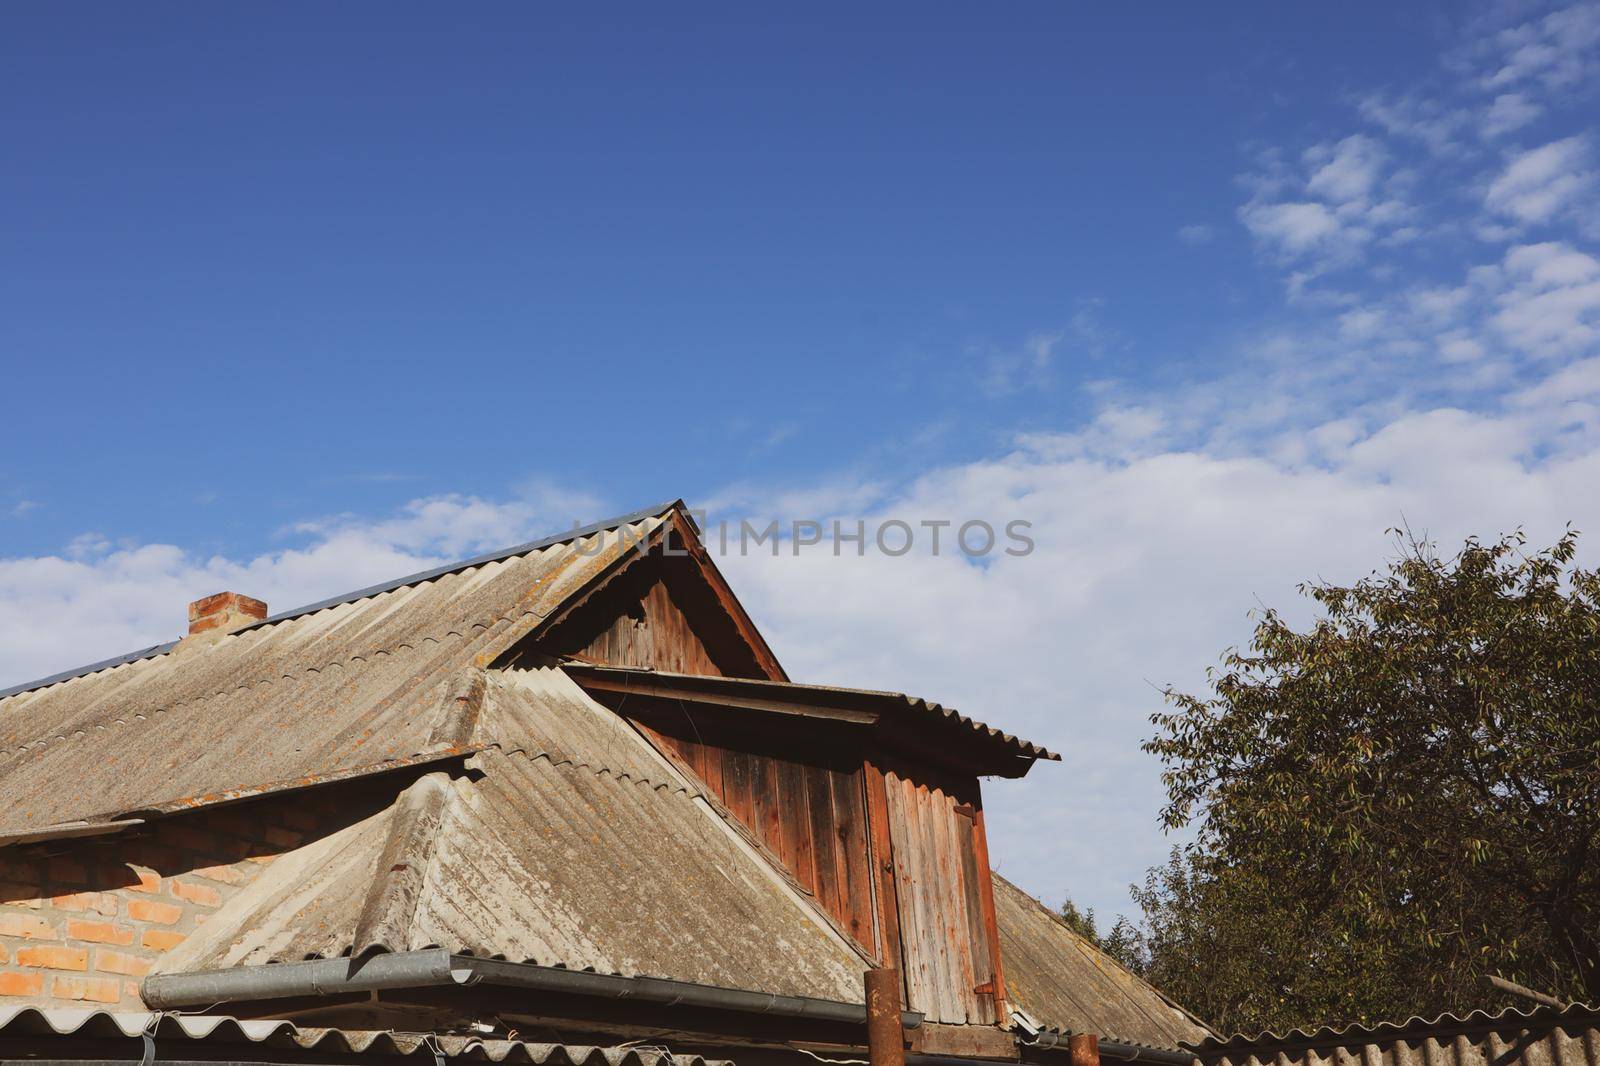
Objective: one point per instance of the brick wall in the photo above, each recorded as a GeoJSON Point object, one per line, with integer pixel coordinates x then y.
{"type": "Point", "coordinates": [81, 921]}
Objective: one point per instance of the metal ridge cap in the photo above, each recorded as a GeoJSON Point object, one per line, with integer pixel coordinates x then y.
{"type": "Point", "coordinates": [93, 668]}
{"type": "Point", "coordinates": [478, 560]}
{"type": "Point", "coordinates": [359, 594]}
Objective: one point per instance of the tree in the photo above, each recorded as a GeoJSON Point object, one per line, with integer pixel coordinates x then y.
{"type": "Point", "coordinates": [1080, 921]}
{"type": "Point", "coordinates": [1393, 803]}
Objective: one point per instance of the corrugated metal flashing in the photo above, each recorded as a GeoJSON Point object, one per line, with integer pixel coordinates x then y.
{"type": "Point", "coordinates": [53, 1024]}
{"type": "Point", "coordinates": [1356, 1034]}
{"type": "Point", "coordinates": [361, 594]}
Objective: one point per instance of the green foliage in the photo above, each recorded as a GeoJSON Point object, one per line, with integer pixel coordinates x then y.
{"type": "Point", "coordinates": [1080, 922]}
{"type": "Point", "coordinates": [1391, 804]}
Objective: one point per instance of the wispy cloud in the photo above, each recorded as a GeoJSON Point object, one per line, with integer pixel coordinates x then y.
{"type": "Point", "coordinates": [1545, 183]}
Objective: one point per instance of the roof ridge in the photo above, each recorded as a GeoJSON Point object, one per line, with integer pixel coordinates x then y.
{"type": "Point", "coordinates": [409, 644]}
{"type": "Point", "coordinates": [421, 576]}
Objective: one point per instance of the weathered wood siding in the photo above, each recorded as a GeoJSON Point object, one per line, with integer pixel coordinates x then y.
{"type": "Point", "coordinates": [944, 896]}
{"type": "Point", "coordinates": [807, 809]}
{"type": "Point", "coordinates": [650, 631]}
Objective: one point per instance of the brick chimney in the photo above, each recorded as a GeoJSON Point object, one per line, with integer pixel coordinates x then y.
{"type": "Point", "coordinates": [223, 613]}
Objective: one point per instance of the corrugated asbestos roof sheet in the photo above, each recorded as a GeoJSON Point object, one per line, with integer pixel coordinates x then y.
{"type": "Point", "coordinates": [1477, 1037]}
{"type": "Point", "coordinates": [1066, 983]}
{"type": "Point", "coordinates": [571, 842]}
{"type": "Point", "coordinates": [358, 683]}
{"type": "Point", "coordinates": [915, 708]}
{"type": "Point", "coordinates": [265, 1036]}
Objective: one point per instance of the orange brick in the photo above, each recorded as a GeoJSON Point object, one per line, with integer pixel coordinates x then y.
{"type": "Point", "coordinates": [149, 910]}
{"type": "Point", "coordinates": [53, 958]}
{"type": "Point", "coordinates": [21, 984]}
{"type": "Point", "coordinates": [30, 926]}
{"type": "Point", "coordinates": [225, 874]}
{"type": "Point", "coordinates": [161, 939]}
{"type": "Point", "coordinates": [96, 989]}
{"type": "Point", "coordinates": [15, 895]}
{"type": "Point", "coordinates": [149, 880]}
{"type": "Point", "coordinates": [99, 932]}
{"type": "Point", "coordinates": [117, 962]}
{"type": "Point", "coordinates": [99, 902]}
{"type": "Point", "coordinates": [64, 869]}
{"type": "Point", "coordinates": [204, 895]}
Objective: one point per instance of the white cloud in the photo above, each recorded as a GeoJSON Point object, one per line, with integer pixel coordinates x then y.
{"type": "Point", "coordinates": [1557, 51]}
{"type": "Point", "coordinates": [1345, 171]}
{"type": "Point", "coordinates": [1539, 185]}
{"type": "Point", "coordinates": [1146, 564]}
{"type": "Point", "coordinates": [1196, 234]}
{"type": "Point", "coordinates": [1291, 227]}
{"type": "Point", "coordinates": [1551, 306]}
{"type": "Point", "coordinates": [1510, 111]}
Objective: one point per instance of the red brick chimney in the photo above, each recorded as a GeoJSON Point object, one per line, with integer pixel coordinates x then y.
{"type": "Point", "coordinates": [224, 613]}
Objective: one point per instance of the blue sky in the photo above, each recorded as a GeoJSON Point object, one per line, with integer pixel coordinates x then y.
{"type": "Point", "coordinates": [297, 298]}
{"type": "Point", "coordinates": [312, 259]}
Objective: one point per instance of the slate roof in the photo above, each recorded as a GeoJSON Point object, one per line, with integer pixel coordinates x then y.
{"type": "Point", "coordinates": [1066, 983]}
{"type": "Point", "coordinates": [360, 683]}
{"type": "Point", "coordinates": [571, 843]}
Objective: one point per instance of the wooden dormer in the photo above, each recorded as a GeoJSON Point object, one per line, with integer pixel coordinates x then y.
{"type": "Point", "coordinates": [869, 800]}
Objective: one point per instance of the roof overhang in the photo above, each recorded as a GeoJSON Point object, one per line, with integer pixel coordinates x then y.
{"type": "Point", "coordinates": [902, 721]}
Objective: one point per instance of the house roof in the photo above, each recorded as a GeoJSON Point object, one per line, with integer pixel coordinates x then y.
{"type": "Point", "coordinates": [262, 1041]}
{"type": "Point", "coordinates": [1066, 983]}
{"type": "Point", "coordinates": [353, 685]}
{"type": "Point", "coordinates": [570, 842]}
{"type": "Point", "coordinates": [361, 683]}
{"type": "Point", "coordinates": [998, 752]}
{"type": "Point", "coordinates": [1577, 1018]}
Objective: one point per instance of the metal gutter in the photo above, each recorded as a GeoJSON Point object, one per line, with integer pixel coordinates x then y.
{"type": "Point", "coordinates": [435, 967]}
{"type": "Point", "coordinates": [321, 977]}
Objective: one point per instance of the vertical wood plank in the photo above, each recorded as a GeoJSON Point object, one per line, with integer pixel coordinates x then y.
{"type": "Point", "coordinates": [855, 862]}
{"type": "Point", "coordinates": [884, 887]}
{"type": "Point", "coordinates": [977, 940]}
{"type": "Point", "coordinates": [991, 925]}
{"type": "Point", "coordinates": [901, 831]}
{"type": "Point", "coordinates": [795, 822]}
{"type": "Point", "coordinates": [736, 794]}
{"type": "Point", "coordinates": [956, 930]}
{"type": "Point", "coordinates": [825, 842]}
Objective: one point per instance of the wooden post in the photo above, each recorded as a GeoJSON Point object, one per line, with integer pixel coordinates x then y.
{"type": "Point", "coordinates": [886, 1040]}
{"type": "Point", "coordinates": [1083, 1049]}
